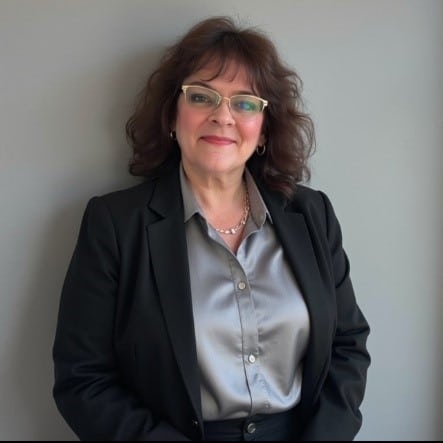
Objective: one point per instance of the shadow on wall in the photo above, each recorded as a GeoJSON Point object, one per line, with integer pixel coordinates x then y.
{"type": "Point", "coordinates": [439, 378]}
{"type": "Point", "coordinates": [32, 370]}
{"type": "Point", "coordinates": [30, 365]}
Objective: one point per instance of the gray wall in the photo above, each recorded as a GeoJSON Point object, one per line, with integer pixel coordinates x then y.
{"type": "Point", "coordinates": [373, 71]}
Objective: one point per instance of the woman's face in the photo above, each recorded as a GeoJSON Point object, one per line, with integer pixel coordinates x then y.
{"type": "Point", "coordinates": [216, 142]}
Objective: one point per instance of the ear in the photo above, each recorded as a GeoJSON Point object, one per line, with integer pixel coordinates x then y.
{"type": "Point", "coordinates": [261, 140]}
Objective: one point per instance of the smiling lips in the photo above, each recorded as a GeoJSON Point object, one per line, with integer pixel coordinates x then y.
{"type": "Point", "coordinates": [215, 140]}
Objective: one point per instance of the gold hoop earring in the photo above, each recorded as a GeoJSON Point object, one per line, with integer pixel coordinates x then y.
{"type": "Point", "coordinates": [260, 150]}
{"type": "Point", "coordinates": [173, 135]}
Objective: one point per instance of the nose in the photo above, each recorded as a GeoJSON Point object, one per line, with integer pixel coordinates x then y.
{"type": "Point", "coordinates": [222, 113]}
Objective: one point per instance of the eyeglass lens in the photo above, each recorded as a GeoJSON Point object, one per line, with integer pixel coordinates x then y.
{"type": "Point", "coordinates": [205, 98]}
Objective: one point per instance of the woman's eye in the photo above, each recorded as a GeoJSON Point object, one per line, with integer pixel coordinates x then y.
{"type": "Point", "coordinates": [201, 99]}
{"type": "Point", "coordinates": [245, 105]}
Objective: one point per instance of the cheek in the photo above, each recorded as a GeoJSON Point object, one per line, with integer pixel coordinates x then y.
{"type": "Point", "coordinates": [186, 122]}
{"type": "Point", "coordinates": [252, 130]}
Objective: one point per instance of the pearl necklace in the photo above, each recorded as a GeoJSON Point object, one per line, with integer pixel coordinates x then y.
{"type": "Point", "coordinates": [234, 229]}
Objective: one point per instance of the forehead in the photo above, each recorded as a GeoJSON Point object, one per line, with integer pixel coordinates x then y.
{"type": "Point", "coordinates": [227, 71]}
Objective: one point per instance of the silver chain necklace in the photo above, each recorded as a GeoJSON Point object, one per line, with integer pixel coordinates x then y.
{"type": "Point", "coordinates": [234, 229]}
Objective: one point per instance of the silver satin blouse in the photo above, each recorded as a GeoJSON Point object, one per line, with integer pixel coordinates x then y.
{"type": "Point", "coordinates": [251, 322]}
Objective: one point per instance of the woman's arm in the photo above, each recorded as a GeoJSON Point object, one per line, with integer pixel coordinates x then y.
{"type": "Point", "coordinates": [88, 388]}
{"type": "Point", "coordinates": [336, 414]}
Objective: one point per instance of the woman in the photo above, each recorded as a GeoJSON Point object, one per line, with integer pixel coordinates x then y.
{"type": "Point", "coordinates": [213, 301]}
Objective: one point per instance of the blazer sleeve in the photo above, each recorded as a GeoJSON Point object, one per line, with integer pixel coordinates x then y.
{"type": "Point", "coordinates": [88, 390]}
{"type": "Point", "coordinates": [336, 413]}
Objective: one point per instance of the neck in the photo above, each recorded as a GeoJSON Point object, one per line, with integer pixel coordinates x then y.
{"type": "Point", "coordinates": [226, 200]}
{"type": "Point", "coordinates": [218, 193]}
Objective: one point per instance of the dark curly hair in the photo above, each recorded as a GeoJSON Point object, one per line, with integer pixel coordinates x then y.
{"type": "Point", "coordinates": [289, 132]}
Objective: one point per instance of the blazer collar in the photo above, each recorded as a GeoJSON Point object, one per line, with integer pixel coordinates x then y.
{"type": "Point", "coordinates": [301, 250]}
{"type": "Point", "coordinates": [167, 242]}
{"type": "Point", "coordinates": [166, 197]}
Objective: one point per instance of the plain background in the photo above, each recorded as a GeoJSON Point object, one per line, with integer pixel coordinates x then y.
{"type": "Point", "coordinates": [372, 71]}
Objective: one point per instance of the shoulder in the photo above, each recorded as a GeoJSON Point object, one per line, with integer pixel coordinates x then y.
{"type": "Point", "coordinates": [128, 198]}
{"type": "Point", "coordinates": [305, 196]}
{"type": "Point", "coordinates": [122, 205]}
{"type": "Point", "coordinates": [307, 199]}
{"type": "Point", "coordinates": [316, 207]}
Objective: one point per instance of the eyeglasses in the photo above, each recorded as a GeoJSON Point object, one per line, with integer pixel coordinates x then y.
{"type": "Point", "coordinates": [243, 105]}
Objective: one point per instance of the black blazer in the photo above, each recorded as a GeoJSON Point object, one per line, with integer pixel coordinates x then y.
{"type": "Point", "coordinates": [124, 352]}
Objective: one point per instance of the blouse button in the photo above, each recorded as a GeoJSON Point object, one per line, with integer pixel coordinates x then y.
{"type": "Point", "coordinates": [251, 358]}
{"type": "Point", "coordinates": [241, 285]}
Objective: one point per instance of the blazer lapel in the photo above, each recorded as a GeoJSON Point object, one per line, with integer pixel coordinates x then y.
{"type": "Point", "coordinates": [293, 232]}
{"type": "Point", "coordinates": [167, 242]}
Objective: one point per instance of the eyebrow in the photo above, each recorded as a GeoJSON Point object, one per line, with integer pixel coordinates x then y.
{"type": "Point", "coordinates": [206, 85]}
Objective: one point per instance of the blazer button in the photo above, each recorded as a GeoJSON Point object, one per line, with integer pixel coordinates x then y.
{"type": "Point", "coordinates": [194, 423]}
{"type": "Point", "coordinates": [251, 428]}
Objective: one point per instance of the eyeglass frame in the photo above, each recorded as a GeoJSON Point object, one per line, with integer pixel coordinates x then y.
{"type": "Point", "coordinates": [221, 97]}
